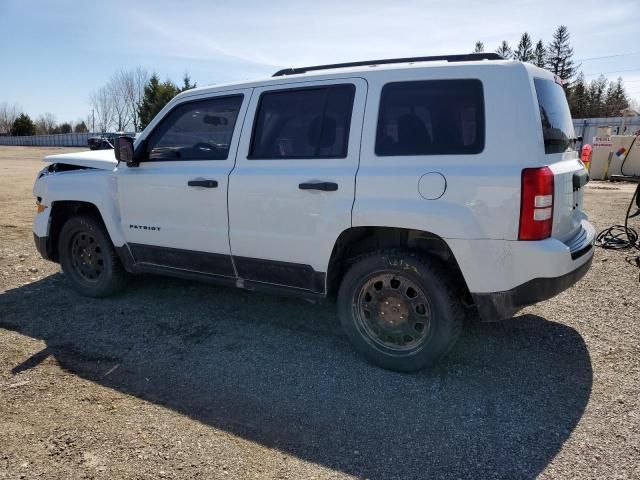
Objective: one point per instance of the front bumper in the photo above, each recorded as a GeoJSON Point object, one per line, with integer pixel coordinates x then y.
{"type": "Point", "coordinates": [43, 245]}
{"type": "Point", "coordinates": [502, 305]}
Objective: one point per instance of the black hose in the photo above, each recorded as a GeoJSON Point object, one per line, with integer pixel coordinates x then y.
{"type": "Point", "coordinates": [619, 237]}
{"type": "Point", "coordinates": [622, 237]}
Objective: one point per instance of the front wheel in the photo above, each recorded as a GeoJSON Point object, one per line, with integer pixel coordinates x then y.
{"type": "Point", "coordinates": [88, 258]}
{"type": "Point", "coordinates": [399, 310]}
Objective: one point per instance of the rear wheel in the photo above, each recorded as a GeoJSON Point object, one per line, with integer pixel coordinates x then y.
{"type": "Point", "coordinates": [399, 311]}
{"type": "Point", "coordinates": [88, 258]}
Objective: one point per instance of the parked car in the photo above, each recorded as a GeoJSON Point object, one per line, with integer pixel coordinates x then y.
{"type": "Point", "coordinates": [408, 190]}
{"type": "Point", "coordinates": [102, 142]}
{"type": "Point", "coordinates": [106, 141]}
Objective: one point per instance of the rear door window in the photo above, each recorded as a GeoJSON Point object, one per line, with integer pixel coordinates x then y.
{"type": "Point", "coordinates": [433, 117]}
{"type": "Point", "coordinates": [303, 123]}
{"type": "Point", "coordinates": [557, 126]}
{"type": "Point", "coordinates": [199, 130]}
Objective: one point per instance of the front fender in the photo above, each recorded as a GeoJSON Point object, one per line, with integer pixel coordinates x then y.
{"type": "Point", "coordinates": [98, 187]}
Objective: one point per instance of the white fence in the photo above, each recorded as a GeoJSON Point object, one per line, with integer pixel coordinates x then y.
{"type": "Point", "coordinates": [59, 140]}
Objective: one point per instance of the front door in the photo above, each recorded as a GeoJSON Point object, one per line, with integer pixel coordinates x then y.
{"type": "Point", "coordinates": [292, 190]}
{"type": "Point", "coordinates": [174, 204]}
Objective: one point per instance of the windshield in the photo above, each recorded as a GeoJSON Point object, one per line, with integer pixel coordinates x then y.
{"type": "Point", "coordinates": [557, 127]}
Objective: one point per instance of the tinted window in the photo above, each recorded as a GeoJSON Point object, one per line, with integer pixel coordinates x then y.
{"type": "Point", "coordinates": [557, 127]}
{"type": "Point", "coordinates": [196, 131]}
{"type": "Point", "coordinates": [435, 117]}
{"type": "Point", "coordinates": [303, 123]}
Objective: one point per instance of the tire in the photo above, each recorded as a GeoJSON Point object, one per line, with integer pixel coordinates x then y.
{"type": "Point", "coordinates": [88, 258]}
{"type": "Point", "coordinates": [399, 310]}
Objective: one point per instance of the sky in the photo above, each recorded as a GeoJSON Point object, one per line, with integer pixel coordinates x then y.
{"type": "Point", "coordinates": [54, 54]}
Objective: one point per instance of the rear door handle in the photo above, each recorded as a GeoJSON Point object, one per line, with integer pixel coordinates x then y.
{"type": "Point", "coordinates": [203, 183]}
{"type": "Point", "coordinates": [324, 186]}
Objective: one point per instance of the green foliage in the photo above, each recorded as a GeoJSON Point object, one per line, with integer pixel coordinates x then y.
{"type": "Point", "coordinates": [539, 55]}
{"type": "Point", "coordinates": [186, 83]}
{"type": "Point", "coordinates": [23, 126]}
{"type": "Point", "coordinates": [600, 98]}
{"type": "Point", "coordinates": [596, 97]}
{"type": "Point", "coordinates": [616, 99]}
{"type": "Point", "coordinates": [504, 50]}
{"type": "Point", "coordinates": [157, 95]}
{"type": "Point", "coordinates": [579, 98]}
{"type": "Point", "coordinates": [524, 50]}
{"type": "Point", "coordinates": [560, 55]}
{"type": "Point", "coordinates": [81, 128]}
{"type": "Point", "coordinates": [65, 127]}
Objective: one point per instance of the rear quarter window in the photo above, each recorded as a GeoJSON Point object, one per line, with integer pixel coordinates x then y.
{"type": "Point", "coordinates": [431, 117]}
{"type": "Point", "coordinates": [557, 126]}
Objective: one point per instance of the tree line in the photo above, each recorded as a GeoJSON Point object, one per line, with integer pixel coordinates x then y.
{"type": "Point", "coordinates": [597, 98]}
{"type": "Point", "coordinates": [13, 121]}
{"type": "Point", "coordinates": [126, 103]}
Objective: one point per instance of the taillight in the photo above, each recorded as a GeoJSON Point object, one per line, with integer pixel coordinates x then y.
{"type": "Point", "coordinates": [536, 207]}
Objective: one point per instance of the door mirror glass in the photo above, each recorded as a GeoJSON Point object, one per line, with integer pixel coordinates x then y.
{"type": "Point", "coordinates": [124, 150]}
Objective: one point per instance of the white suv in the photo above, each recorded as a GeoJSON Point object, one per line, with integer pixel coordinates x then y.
{"type": "Point", "coordinates": [409, 189]}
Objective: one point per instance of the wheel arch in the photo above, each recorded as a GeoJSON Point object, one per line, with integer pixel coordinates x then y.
{"type": "Point", "coordinates": [63, 210]}
{"type": "Point", "coordinates": [356, 241]}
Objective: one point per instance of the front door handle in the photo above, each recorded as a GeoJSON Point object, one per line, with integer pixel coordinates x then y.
{"type": "Point", "coordinates": [324, 186]}
{"type": "Point", "coordinates": [203, 183]}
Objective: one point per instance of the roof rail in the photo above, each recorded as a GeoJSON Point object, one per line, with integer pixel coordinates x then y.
{"type": "Point", "coordinates": [467, 57]}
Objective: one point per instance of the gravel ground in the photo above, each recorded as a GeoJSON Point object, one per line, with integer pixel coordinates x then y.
{"type": "Point", "coordinates": [176, 379]}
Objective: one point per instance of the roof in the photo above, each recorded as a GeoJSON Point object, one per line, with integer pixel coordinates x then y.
{"type": "Point", "coordinates": [336, 70]}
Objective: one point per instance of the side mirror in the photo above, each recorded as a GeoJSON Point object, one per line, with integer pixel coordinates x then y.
{"type": "Point", "coordinates": [124, 151]}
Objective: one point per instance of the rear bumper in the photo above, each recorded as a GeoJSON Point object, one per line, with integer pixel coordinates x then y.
{"type": "Point", "coordinates": [501, 305]}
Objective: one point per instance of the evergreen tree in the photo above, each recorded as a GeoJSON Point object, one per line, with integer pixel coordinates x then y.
{"type": "Point", "coordinates": [156, 96]}
{"type": "Point", "coordinates": [504, 50]}
{"type": "Point", "coordinates": [23, 126]}
{"type": "Point", "coordinates": [596, 96]}
{"type": "Point", "coordinates": [479, 47]}
{"type": "Point", "coordinates": [560, 55]}
{"type": "Point", "coordinates": [539, 55]}
{"type": "Point", "coordinates": [186, 83]}
{"type": "Point", "coordinates": [578, 98]}
{"type": "Point", "coordinates": [81, 127]}
{"type": "Point", "coordinates": [615, 99]}
{"type": "Point", "coordinates": [524, 50]}
{"type": "Point", "coordinates": [65, 127]}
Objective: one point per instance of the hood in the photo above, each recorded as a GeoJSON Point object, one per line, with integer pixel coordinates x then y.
{"type": "Point", "coordinates": [101, 159]}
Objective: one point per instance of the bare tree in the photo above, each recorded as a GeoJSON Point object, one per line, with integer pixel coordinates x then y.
{"type": "Point", "coordinates": [45, 123]}
{"type": "Point", "coordinates": [41, 125]}
{"type": "Point", "coordinates": [49, 121]}
{"type": "Point", "coordinates": [102, 104]}
{"type": "Point", "coordinates": [131, 85]}
{"type": "Point", "coordinates": [8, 115]}
{"type": "Point", "coordinates": [121, 113]}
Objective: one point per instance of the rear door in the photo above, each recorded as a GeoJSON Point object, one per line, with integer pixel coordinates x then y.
{"type": "Point", "coordinates": [292, 189]}
{"type": "Point", "coordinates": [570, 176]}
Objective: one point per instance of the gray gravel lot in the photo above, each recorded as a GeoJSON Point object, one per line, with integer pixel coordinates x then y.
{"type": "Point", "coordinates": [176, 379]}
